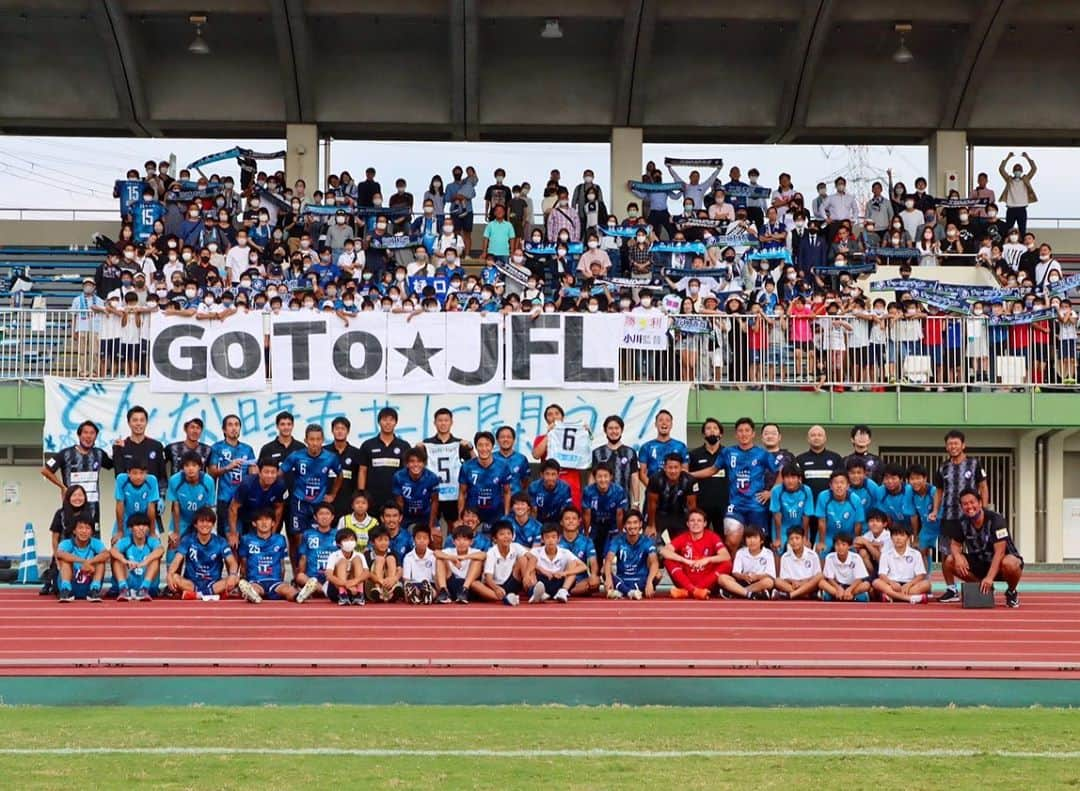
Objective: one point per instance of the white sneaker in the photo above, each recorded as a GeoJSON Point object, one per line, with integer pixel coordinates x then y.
{"type": "Point", "coordinates": [248, 592]}
{"type": "Point", "coordinates": [563, 596]}
{"type": "Point", "coordinates": [634, 594]}
{"type": "Point", "coordinates": [538, 593]}
{"type": "Point", "coordinates": [306, 592]}
{"type": "Point", "coordinates": [512, 599]}
{"type": "Point", "coordinates": [918, 599]}
{"type": "Point", "coordinates": [614, 594]}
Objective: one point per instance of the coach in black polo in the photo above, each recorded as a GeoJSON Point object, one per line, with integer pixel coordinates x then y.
{"type": "Point", "coordinates": [380, 457]}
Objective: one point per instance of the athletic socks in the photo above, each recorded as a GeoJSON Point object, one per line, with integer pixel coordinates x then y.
{"type": "Point", "coordinates": [65, 586]}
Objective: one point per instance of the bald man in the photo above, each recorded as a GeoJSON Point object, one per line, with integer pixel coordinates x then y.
{"type": "Point", "coordinates": [818, 464]}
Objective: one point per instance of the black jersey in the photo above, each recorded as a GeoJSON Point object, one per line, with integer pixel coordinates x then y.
{"type": "Point", "coordinates": [83, 469]}
{"type": "Point", "coordinates": [149, 454]}
{"type": "Point", "coordinates": [817, 468]}
{"type": "Point", "coordinates": [623, 461]}
{"type": "Point", "coordinates": [176, 451]}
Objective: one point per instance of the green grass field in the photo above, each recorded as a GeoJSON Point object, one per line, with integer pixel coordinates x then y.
{"type": "Point", "coordinates": [397, 747]}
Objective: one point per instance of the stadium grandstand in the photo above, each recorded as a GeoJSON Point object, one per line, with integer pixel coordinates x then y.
{"type": "Point", "coordinates": [682, 429]}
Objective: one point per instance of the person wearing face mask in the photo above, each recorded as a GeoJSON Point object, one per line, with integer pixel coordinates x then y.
{"type": "Point", "coordinates": [588, 183]}
{"type": "Point", "coordinates": [839, 206]}
{"type": "Point", "coordinates": [437, 195]}
{"type": "Point", "coordinates": [639, 257]}
{"type": "Point", "coordinates": [593, 255]}
{"type": "Point", "coordinates": [813, 250]}
{"type": "Point", "coordinates": [459, 195]}
{"type": "Point", "coordinates": [448, 239]}
{"type": "Point", "coordinates": [878, 208]}
{"type": "Point", "coordinates": [401, 207]}
{"type": "Point", "coordinates": [236, 260]}
{"type": "Point", "coordinates": [1017, 193]}
{"type": "Point", "coordinates": [991, 224]}
{"type": "Point", "coordinates": [981, 191]}
{"type": "Point", "coordinates": [713, 490]}
{"type": "Point", "coordinates": [592, 213]}
{"type": "Point", "coordinates": [563, 218]}
{"type": "Point", "coordinates": [911, 218]}
{"type": "Point", "coordinates": [337, 232]}
{"type": "Point", "coordinates": [695, 189]}
{"type": "Point", "coordinates": [1046, 267]}
{"type": "Point", "coordinates": [817, 206]}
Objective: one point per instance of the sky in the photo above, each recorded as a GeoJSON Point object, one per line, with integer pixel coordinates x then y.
{"type": "Point", "coordinates": [78, 173]}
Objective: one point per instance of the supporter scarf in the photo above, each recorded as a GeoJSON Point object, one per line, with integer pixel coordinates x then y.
{"type": "Point", "coordinates": [893, 252]}
{"type": "Point", "coordinates": [648, 186]}
{"type": "Point", "coordinates": [774, 254]}
{"type": "Point", "coordinates": [625, 282]}
{"type": "Point", "coordinates": [716, 225]}
{"type": "Point", "coordinates": [854, 269]}
{"type": "Point", "coordinates": [385, 211]}
{"type": "Point", "coordinates": [235, 153]}
{"type": "Point", "coordinates": [323, 211]}
{"type": "Point", "coordinates": [718, 272]}
{"type": "Point", "coordinates": [961, 203]}
{"type": "Point", "coordinates": [692, 325]}
{"type": "Point", "coordinates": [753, 191]}
{"type": "Point", "coordinates": [694, 163]}
{"type": "Point", "coordinates": [672, 247]}
{"type": "Point", "coordinates": [572, 248]}
{"type": "Point", "coordinates": [961, 306]}
{"type": "Point", "coordinates": [392, 242]}
{"type": "Point", "coordinates": [186, 196]}
{"type": "Point", "coordinates": [1027, 317]}
{"type": "Point", "coordinates": [512, 272]}
{"type": "Point", "coordinates": [625, 233]}
{"type": "Point", "coordinates": [733, 240]}
{"type": "Point", "coordinates": [570, 291]}
{"type": "Point", "coordinates": [267, 195]}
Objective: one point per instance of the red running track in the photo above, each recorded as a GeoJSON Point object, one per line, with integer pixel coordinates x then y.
{"type": "Point", "coordinates": [1041, 639]}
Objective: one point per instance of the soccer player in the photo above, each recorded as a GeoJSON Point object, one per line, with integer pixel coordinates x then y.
{"type": "Point", "coordinates": [191, 443]}
{"type": "Point", "coordinates": [447, 453]}
{"type": "Point", "coordinates": [136, 560]}
{"type": "Point", "coordinates": [316, 545]}
{"type": "Point", "coordinates": [713, 490]}
{"type": "Point", "coordinates": [844, 577]}
{"type": "Point", "coordinates": [136, 493]}
{"type": "Point", "coordinates": [791, 504]}
{"type": "Point", "coordinates": [553, 415]}
{"type": "Point", "coordinates": [753, 572]}
{"type": "Point", "coordinates": [81, 561]}
{"type": "Point", "coordinates": [520, 473]}
{"type": "Point", "coordinates": [631, 565]}
{"type": "Point", "coordinates": [604, 506]}
{"type": "Point", "coordinates": [81, 464]}
{"type": "Point", "coordinates": [346, 571]}
{"type": "Point", "coordinates": [670, 496]}
{"type": "Point", "coordinates": [316, 477]}
{"type": "Point", "coordinates": [381, 457]}
{"type": "Point", "coordinates": [551, 570]}
{"type": "Point", "coordinates": [484, 482]}
{"type": "Point", "coordinates": [359, 520]}
{"type": "Point", "coordinates": [230, 461]}
{"type": "Point", "coordinates": [983, 551]}
{"type": "Point", "coordinates": [203, 555]}
{"type": "Point", "coordinates": [256, 493]}
{"type": "Point", "coordinates": [384, 571]}
{"type": "Point", "coordinates": [836, 511]}
{"type": "Point", "coordinates": [621, 459]}
{"type": "Point", "coordinates": [695, 559]}
{"type": "Point", "coordinates": [800, 568]}
{"type": "Point", "coordinates": [262, 552]}
{"type": "Point", "coordinates": [504, 568]}
{"type": "Point", "coordinates": [860, 488]}
{"type": "Point", "coordinates": [527, 530]}
{"type": "Point", "coordinates": [458, 568]}
{"type": "Point", "coordinates": [418, 568]}
{"type": "Point", "coordinates": [137, 447]}
{"type": "Point", "coordinates": [928, 537]}
{"type": "Point", "coordinates": [876, 541]}
{"type": "Point", "coordinates": [548, 494]}
{"type": "Point", "coordinates": [902, 575]}
{"type": "Point", "coordinates": [416, 491]}
{"type": "Point", "coordinates": [401, 541]}
{"type": "Point", "coordinates": [654, 453]}
{"type": "Point", "coordinates": [588, 581]}
{"type": "Point", "coordinates": [482, 540]}
{"type": "Point", "coordinates": [190, 491]}
{"type": "Point", "coordinates": [893, 496]}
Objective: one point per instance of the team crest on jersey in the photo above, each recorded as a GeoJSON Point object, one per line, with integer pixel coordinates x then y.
{"type": "Point", "coordinates": [828, 462]}
{"type": "Point", "coordinates": [967, 473]}
{"type": "Point", "coordinates": [153, 455]}
{"type": "Point", "coordinates": [397, 451]}
{"type": "Point", "coordinates": [806, 563]}
{"type": "Point", "coordinates": [847, 515]}
{"type": "Point", "coordinates": [909, 559]}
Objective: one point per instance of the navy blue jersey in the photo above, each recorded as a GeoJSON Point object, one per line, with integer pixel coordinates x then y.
{"type": "Point", "coordinates": [528, 534]}
{"type": "Point", "coordinates": [484, 487]}
{"type": "Point", "coordinates": [316, 547]}
{"type": "Point", "coordinates": [632, 559]}
{"type": "Point", "coordinates": [252, 498]}
{"type": "Point", "coordinates": [415, 493]}
{"type": "Point", "coordinates": [263, 556]}
{"type": "Point", "coordinates": [312, 475]}
{"type": "Point", "coordinates": [519, 470]}
{"type": "Point", "coordinates": [653, 453]}
{"type": "Point", "coordinates": [583, 548]}
{"type": "Point", "coordinates": [222, 454]}
{"type": "Point", "coordinates": [204, 562]}
{"type": "Point", "coordinates": [401, 545]}
{"type": "Point", "coordinates": [129, 191]}
{"type": "Point", "coordinates": [550, 502]}
{"type": "Point", "coordinates": [604, 506]}
{"type": "Point", "coordinates": [747, 472]}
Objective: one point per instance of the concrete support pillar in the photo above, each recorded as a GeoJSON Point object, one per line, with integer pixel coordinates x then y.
{"type": "Point", "coordinates": [626, 165]}
{"type": "Point", "coordinates": [302, 155]}
{"type": "Point", "coordinates": [948, 162]}
{"type": "Point", "coordinates": [1055, 493]}
{"type": "Point", "coordinates": [1024, 529]}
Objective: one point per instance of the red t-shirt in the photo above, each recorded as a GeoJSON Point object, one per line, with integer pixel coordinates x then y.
{"type": "Point", "coordinates": [707, 546]}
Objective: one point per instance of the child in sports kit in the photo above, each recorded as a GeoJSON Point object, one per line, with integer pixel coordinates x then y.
{"type": "Point", "coordinates": [346, 571]}
{"type": "Point", "coordinates": [202, 555]}
{"type": "Point", "coordinates": [384, 571]}
{"type": "Point", "coordinates": [359, 520]}
{"type": "Point", "coordinates": [401, 541]}
{"type": "Point", "coordinates": [190, 490]}
{"type": "Point", "coordinates": [695, 559]}
{"type": "Point", "coordinates": [136, 493]}
{"type": "Point", "coordinates": [837, 512]}
{"type": "Point", "coordinates": [549, 495]}
{"type": "Point", "coordinates": [800, 569]}
{"type": "Point", "coordinates": [416, 490]}
{"type": "Point", "coordinates": [504, 567]}
{"type": "Point", "coordinates": [136, 560]}
{"type": "Point", "coordinates": [928, 537]}
{"type": "Point", "coordinates": [876, 541]}
{"type": "Point", "coordinates": [859, 483]}
{"type": "Point", "coordinates": [604, 505]}
{"type": "Point", "coordinates": [526, 528]}
{"type": "Point", "coordinates": [588, 580]}
{"type": "Point", "coordinates": [631, 564]}
{"type": "Point", "coordinates": [316, 545]}
{"type": "Point", "coordinates": [418, 569]}
{"type": "Point", "coordinates": [551, 569]}
{"type": "Point", "coordinates": [81, 562]}
{"type": "Point", "coordinates": [753, 572]}
{"type": "Point", "coordinates": [791, 503]}
{"type": "Point", "coordinates": [844, 577]}
{"type": "Point", "coordinates": [893, 496]}
{"type": "Point", "coordinates": [262, 554]}
{"type": "Point", "coordinates": [902, 574]}
{"type": "Point", "coordinates": [458, 567]}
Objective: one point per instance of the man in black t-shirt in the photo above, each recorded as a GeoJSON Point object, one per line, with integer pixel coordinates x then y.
{"type": "Point", "coordinates": [349, 455]}
{"type": "Point", "coordinates": [984, 551]}
{"type": "Point", "coordinates": [713, 491]}
{"type": "Point", "coordinates": [860, 447]}
{"type": "Point", "coordinates": [175, 451]}
{"type": "Point", "coordinates": [284, 444]}
{"type": "Point", "coordinates": [381, 457]}
{"type": "Point", "coordinates": [818, 464]}
{"type": "Point", "coordinates": [671, 495]}
{"type": "Point", "coordinates": [140, 449]}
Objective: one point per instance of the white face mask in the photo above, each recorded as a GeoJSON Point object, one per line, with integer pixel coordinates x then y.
{"type": "Point", "coordinates": [381, 226]}
{"type": "Point", "coordinates": [646, 302]}
{"type": "Point", "coordinates": [563, 204]}
{"type": "Point", "coordinates": [448, 229]}
{"type": "Point", "coordinates": [588, 179]}
{"type": "Point", "coordinates": [593, 308]}
{"type": "Point", "coordinates": [340, 220]}
{"type": "Point", "coordinates": [593, 244]}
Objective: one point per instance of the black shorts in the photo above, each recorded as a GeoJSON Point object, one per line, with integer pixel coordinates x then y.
{"type": "Point", "coordinates": [951, 529]}
{"type": "Point", "coordinates": [448, 510]}
{"type": "Point", "coordinates": [463, 222]}
{"type": "Point", "coordinates": [980, 568]}
{"type": "Point", "coordinates": [512, 585]}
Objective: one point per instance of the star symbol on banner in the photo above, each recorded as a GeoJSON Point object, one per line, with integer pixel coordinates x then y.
{"type": "Point", "coordinates": [418, 355]}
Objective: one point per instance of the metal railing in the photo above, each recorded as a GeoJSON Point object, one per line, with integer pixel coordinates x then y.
{"type": "Point", "coordinates": [723, 351]}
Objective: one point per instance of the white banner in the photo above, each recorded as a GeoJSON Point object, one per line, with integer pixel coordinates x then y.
{"type": "Point", "coordinates": [68, 402]}
{"type": "Point", "coordinates": [207, 356]}
{"type": "Point", "coordinates": [385, 353]}
{"type": "Point", "coordinates": [644, 330]}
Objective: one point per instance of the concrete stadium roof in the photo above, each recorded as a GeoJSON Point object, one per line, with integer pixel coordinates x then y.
{"type": "Point", "coordinates": [797, 71]}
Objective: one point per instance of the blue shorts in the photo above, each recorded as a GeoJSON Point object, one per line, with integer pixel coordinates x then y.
{"type": "Point", "coordinates": [750, 517]}
{"type": "Point", "coordinates": [301, 518]}
{"type": "Point", "coordinates": [626, 584]}
{"type": "Point", "coordinates": [270, 587]}
{"type": "Point", "coordinates": [930, 536]}
{"type": "Point", "coordinates": [203, 586]}
{"type": "Point", "coordinates": [863, 597]}
{"type": "Point", "coordinates": [80, 590]}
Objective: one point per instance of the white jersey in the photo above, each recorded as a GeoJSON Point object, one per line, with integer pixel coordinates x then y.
{"type": "Point", "coordinates": [460, 571]}
{"type": "Point", "coordinates": [419, 569]}
{"type": "Point", "coordinates": [883, 541]}
{"type": "Point", "coordinates": [500, 568]}
{"type": "Point", "coordinates": [846, 572]}
{"type": "Point", "coordinates": [794, 567]}
{"type": "Point", "coordinates": [761, 563]}
{"type": "Point", "coordinates": [902, 568]}
{"type": "Point", "coordinates": [444, 459]}
{"type": "Point", "coordinates": [557, 565]}
{"type": "Point", "coordinates": [337, 556]}
{"type": "Point", "coordinates": [570, 444]}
